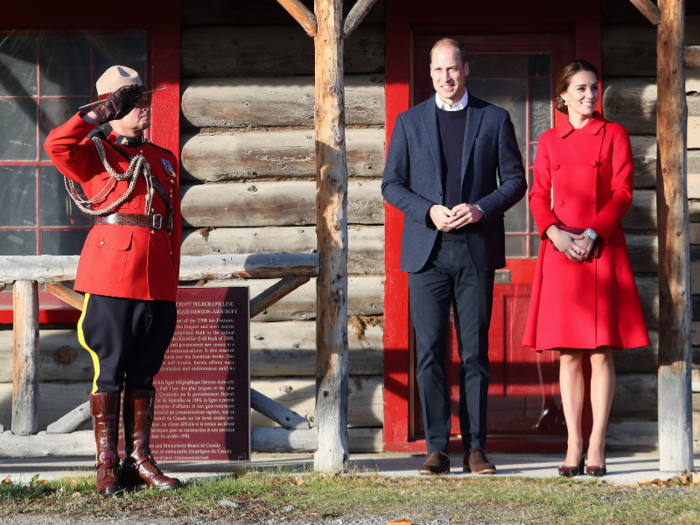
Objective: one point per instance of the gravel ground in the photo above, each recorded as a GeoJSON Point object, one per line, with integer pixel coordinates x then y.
{"type": "Point", "coordinates": [39, 519]}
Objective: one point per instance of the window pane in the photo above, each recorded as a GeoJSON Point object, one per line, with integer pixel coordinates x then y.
{"type": "Point", "coordinates": [65, 66]}
{"type": "Point", "coordinates": [121, 50]}
{"type": "Point", "coordinates": [18, 119]}
{"type": "Point", "coordinates": [516, 217]}
{"type": "Point", "coordinates": [54, 113]}
{"type": "Point", "coordinates": [516, 246]}
{"type": "Point", "coordinates": [540, 65]}
{"type": "Point", "coordinates": [63, 242]}
{"type": "Point", "coordinates": [18, 60]}
{"type": "Point", "coordinates": [508, 94]}
{"type": "Point", "coordinates": [534, 245]}
{"type": "Point", "coordinates": [497, 65]}
{"type": "Point", "coordinates": [56, 207]}
{"type": "Point", "coordinates": [18, 242]}
{"type": "Point", "coordinates": [540, 108]}
{"type": "Point", "coordinates": [17, 196]}
{"type": "Point", "coordinates": [533, 152]}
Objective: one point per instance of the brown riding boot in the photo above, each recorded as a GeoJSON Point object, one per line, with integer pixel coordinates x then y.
{"type": "Point", "coordinates": [139, 466]}
{"type": "Point", "coordinates": [105, 418]}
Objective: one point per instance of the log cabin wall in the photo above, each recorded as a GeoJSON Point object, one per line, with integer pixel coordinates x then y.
{"type": "Point", "coordinates": [249, 186]}
{"type": "Point", "coordinates": [629, 98]}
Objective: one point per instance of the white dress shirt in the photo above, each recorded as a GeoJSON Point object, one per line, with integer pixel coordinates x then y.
{"type": "Point", "coordinates": [454, 107]}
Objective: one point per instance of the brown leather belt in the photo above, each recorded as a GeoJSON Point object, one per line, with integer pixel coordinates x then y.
{"type": "Point", "coordinates": [155, 222]}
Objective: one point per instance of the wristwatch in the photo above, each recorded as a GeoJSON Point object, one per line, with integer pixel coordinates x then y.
{"type": "Point", "coordinates": [591, 234]}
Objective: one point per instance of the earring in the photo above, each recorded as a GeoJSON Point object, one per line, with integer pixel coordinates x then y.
{"type": "Point", "coordinates": [565, 103]}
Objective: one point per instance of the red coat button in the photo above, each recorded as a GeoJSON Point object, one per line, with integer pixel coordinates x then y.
{"type": "Point", "coordinates": [555, 167]}
{"type": "Point", "coordinates": [561, 203]}
{"type": "Point", "coordinates": [593, 163]}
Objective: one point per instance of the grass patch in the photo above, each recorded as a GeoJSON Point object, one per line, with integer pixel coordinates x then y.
{"type": "Point", "coordinates": [279, 494]}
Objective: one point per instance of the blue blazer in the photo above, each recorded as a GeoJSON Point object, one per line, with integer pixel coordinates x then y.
{"type": "Point", "coordinates": [492, 177]}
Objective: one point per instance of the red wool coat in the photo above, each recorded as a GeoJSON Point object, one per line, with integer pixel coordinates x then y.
{"type": "Point", "coordinates": [584, 178]}
{"type": "Point", "coordinates": [121, 261]}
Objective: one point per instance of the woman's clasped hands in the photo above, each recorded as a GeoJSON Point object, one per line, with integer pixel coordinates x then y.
{"type": "Point", "coordinates": [575, 247]}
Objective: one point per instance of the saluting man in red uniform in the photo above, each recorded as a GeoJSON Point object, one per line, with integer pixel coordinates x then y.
{"type": "Point", "coordinates": [128, 268]}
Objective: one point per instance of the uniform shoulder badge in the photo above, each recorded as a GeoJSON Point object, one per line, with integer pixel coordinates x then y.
{"type": "Point", "coordinates": [168, 167]}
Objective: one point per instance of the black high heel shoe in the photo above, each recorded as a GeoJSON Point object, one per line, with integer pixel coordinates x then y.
{"type": "Point", "coordinates": [569, 472]}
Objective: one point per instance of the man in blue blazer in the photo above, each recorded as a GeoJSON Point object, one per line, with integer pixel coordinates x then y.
{"type": "Point", "coordinates": [453, 169]}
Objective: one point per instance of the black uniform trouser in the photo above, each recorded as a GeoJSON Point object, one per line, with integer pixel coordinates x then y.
{"type": "Point", "coordinates": [127, 339]}
{"type": "Point", "coordinates": [450, 277]}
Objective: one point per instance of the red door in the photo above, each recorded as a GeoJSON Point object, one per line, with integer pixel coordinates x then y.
{"type": "Point", "coordinates": [514, 72]}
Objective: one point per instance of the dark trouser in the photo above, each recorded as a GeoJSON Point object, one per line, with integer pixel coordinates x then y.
{"type": "Point", "coordinates": [449, 277]}
{"type": "Point", "coordinates": [127, 339]}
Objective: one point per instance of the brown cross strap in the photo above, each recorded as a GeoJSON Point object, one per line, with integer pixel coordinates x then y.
{"type": "Point", "coordinates": [155, 222]}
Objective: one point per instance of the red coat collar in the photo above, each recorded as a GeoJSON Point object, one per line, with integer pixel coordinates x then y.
{"type": "Point", "coordinates": [593, 127]}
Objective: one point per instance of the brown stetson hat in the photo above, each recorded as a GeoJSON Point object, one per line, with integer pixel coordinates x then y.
{"type": "Point", "coordinates": [114, 78]}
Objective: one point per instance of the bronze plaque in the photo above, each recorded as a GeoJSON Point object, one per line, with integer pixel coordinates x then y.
{"type": "Point", "coordinates": [202, 408]}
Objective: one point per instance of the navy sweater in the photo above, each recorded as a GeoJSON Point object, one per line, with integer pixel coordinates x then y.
{"type": "Point", "coordinates": [452, 126]}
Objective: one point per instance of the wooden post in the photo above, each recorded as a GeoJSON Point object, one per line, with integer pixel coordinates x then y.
{"type": "Point", "coordinates": [332, 229]}
{"type": "Point", "coordinates": [675, 350]}
{"type": "Point", "coordinates": [301, 14]}
{"type": "Point", "coordinates": [649, 10]}
{"type": "Point", "coordinates": [25, 359]}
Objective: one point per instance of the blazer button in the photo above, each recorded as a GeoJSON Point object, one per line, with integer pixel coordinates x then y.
{"type": "Point", "coordinates": [593, 163]}
{"type": "Point", "coordinates": [440, 193]}
{"type": "Point", "coordinates": [102, 243]}
{"type": "Point", "coordinates": [555, 167]}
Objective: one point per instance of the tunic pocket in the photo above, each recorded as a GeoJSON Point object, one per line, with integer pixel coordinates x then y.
{"type": "Point", "coordinates": [105, 254]}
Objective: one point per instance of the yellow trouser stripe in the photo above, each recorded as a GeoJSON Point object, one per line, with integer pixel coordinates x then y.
{"type": "Point", "coordinates": [81, 338]}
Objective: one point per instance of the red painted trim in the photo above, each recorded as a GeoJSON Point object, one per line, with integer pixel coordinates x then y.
{"type": "Point", "coordinates": [514, 443]}
{"type": "Point", "coordinates": [396, 327]}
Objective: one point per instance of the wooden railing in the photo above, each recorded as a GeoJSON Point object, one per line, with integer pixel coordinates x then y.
{"type": "Point", "coordinates": [26, 273]}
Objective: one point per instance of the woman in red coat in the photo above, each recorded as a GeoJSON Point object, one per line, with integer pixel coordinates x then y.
{"type": "Point", "coordinates": [583, 178]}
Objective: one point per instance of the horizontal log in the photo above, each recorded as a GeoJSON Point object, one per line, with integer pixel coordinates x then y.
{"type": "Point", "coordinates": [255, 154]}
{"type": "Point", "coordinates": [644, 151]}
{"type": "Point", "coordinates": [61, 358]}
{"type": "Point", "coordinates": [691, 57]}
{"type": "Point", "coordinates": [287, 101]}
{"type": "Point", "coordinates": [365, 253]}
{"type": "Point", "coordinates": [257, 12]}
{"type": "Point", "coordinates": [61, 268]}
{"type": "Point", "coordinates": [82, 442]}
{"type": "Point", "coordinates": [365, 297]}
{"type": "Point", "coordinates": [277, 413]}
{"type": "Point", "coordinates": [644, 252]}
{"type": "Point", "coordinates": [635, 397]}
{"type": "Point", "coordinates": [72, 421]}
{"type": "Point", "coordinates": [282, 440]}
{"type": "Point", "coordinates": [642, 212]}
{"type": "Point", "coordinates": [632, 435]}
{"type": "Point", "coordinates": [648, 287]}
{"type": "Point", "coordinates": [639, 360]}
{"type": "Point", "coordinates": [365, 398]}
{"type": "Point", "coordinates": [283, 203]}
{"type": "Point", "coordinates": [629, 50]}
{"type": "Point", "coordinates": [66, 294]}
{"type": "Point", "coordinates": [272, 51]}
{"type": "Point", "coordinates": [632, 103]}
{"type": "Point", "coordinates": [57, 399]}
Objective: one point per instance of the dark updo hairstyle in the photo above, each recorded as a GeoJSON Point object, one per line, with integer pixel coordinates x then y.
{"type": "Point", "coordinates": [564, 79]}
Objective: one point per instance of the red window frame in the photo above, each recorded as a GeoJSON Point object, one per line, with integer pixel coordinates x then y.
{"type": "Point", "coordinates": [161, 21]}
{"type": "Point", "coordinates": [402, 17]}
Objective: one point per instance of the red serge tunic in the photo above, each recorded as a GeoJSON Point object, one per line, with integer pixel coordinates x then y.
{"type": "Point", "coordinates": [121, 261]}
{"type": "Point", "coordinates": [584, 178]}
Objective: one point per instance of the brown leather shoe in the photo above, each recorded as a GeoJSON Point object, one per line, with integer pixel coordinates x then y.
{"type": "Point", "coordinates": [104, 408]}
{"type": "Point", "coordinates": [139, 466]}
{"type": "Point", "coordinates": [476, 462]}
{"type": "Point", "coordinates": [436, 464]}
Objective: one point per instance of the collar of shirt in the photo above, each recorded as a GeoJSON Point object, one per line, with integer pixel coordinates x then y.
{"type": "Point", "coordinates": [454, 107]}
